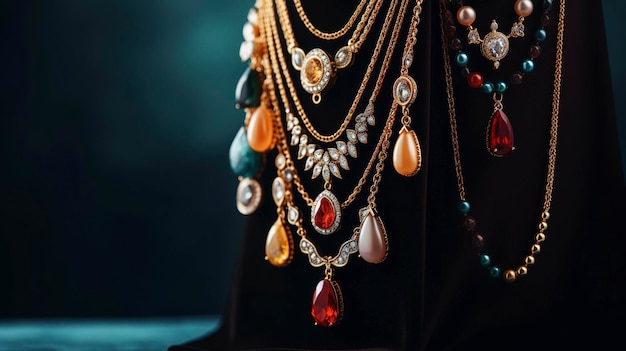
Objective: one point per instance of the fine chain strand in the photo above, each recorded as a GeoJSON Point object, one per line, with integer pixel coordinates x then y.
{"type": "Point", "coordinates": [275, 50]}
{"type": "Point", "coordinates": [293, 93]}
{"type": "Point", "coordinates": [552, 151]}
{"type": "Point", "coordinates": [333, 35]}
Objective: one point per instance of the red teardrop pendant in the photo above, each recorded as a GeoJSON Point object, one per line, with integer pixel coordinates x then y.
{"type": "Point", "coordinates": [500, 134]}
{"type": "Point", "coordinates": [327, 307]}
{"type": "Point", "coordinates": [326, 213]}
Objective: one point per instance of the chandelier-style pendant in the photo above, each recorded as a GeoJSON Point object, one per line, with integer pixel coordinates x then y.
{"type": "Point", "coordinates": [500, 139]}
{"type": "Point", "coordinates": [373, 240]}
{"type": "Point", "coordinates": [326, 213]}
{"type": "Point", "coordinates": [327, 306]}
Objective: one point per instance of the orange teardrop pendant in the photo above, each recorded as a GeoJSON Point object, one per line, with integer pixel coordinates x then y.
{"type": "Point", "coordinates": [407, 154]}
{"type": "Point", "coordinates": [260, 130]}
{"type": "Point", "coordinates": [279, 245]}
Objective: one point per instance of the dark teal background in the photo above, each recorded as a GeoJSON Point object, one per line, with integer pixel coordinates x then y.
{"type": "Point", "coordinates": [117, 197]}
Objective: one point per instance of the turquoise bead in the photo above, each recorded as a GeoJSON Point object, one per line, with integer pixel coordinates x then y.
{"type": "Point", "coordinates": [528, 66]}
{"type": "Point", "coordinates": [244, 161]}
{"type": "Point", "coordinates": [547, 4]}
{"type": "Point", "coordinates": [540, 35]}
{"type": "Point", "coordinates": [494, 272]}
{"type": "Point", "coordinates": [485, 260]}
{"type": "Point", "coordinates": [501, 87]}
{"type": "Point", "coordinates": [463, 207]}
{"type": "Point", "coordinates": [487, 88]}
{"type": "Point", "coordinates": [461, 59]}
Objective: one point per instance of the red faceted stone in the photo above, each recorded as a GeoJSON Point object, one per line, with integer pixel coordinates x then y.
{"type": "Point", "coordinates": [326, 307]}
{"type": "Point", "coordinates": [500, 140]}
{"type": "Point", "coordinates": [324, 213]}
{"type": "Point", "coordinates": [475, 80]}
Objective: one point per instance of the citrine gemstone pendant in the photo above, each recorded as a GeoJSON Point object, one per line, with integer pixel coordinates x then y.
{"type": "Point", "coordinates": [279, 245]}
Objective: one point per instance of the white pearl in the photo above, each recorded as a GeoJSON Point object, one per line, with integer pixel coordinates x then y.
{"type": "Point", "coordinates": [466, 15]}
{"type": "Point", "coordinates": [523, 8]}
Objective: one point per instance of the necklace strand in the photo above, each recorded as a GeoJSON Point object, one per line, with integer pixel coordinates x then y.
{"type": "Point", "coordinates": [333, 35]}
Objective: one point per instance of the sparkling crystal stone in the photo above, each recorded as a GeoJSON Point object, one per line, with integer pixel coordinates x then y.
{"type": "Point", "coordinates": [278, 246]}
{"type": "Point", "coordinates": [260, 129]}
{"type": "Point", "coordinates": [343, 57]}
{"type": "Point", "coordinates": [248, 89]}
{"type": "Point", "coordinates": [326, 308]}
{"type": "Point", "coordinates": [278, 191]}
{"type": "Point", "coordinates": [373, 239]}
{"type": "Point", "coordinates": [500, 134]}
{"type": "Point", "coordinates": [248, 196]}
{"type": "Point", "coordinates": [244, 161]}
{"type": "Point", "coordinates": [407, 156]}
{"type": "Point", "coordinates": [326, 213]}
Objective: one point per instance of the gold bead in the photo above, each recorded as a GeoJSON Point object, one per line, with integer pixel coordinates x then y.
{"type": "Point", "coordinates": [529, 260]}
{"type": "Point", "coordinates": [535, 249]}
{"type": "Point", "coordinates": [522, 271]}
{"type": "Point", "coordinates": [540, 237]}
{"type": "Point", "coordinates": [510, 275]}
{"type": "Point", "coordinates": [545, 215]}
{"type": "Point", "coordinates": [543, 226]}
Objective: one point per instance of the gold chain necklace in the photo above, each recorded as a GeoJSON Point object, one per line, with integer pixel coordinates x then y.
{"type": "Point", "coordinates": [317, 69]}
{"type": "Point", "coordinates": [334, 35]}
{"type": "Point", "coordinates": [510, 275]}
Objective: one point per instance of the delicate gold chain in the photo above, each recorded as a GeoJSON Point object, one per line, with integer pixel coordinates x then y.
{"type": "Point", "coordinates": [510, 275]}
{"type": "Point", "coordinates": [355, 102]}
{"type": "Point", "coordinates": [334, 35]}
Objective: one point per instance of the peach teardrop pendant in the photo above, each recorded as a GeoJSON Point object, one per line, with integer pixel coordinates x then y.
{"type": "Point", "coordinates": [260, 129]}
{"type": "Point", "coordinates": [279, 245]}
{"type": "Point", "coordinates": [407, 154]}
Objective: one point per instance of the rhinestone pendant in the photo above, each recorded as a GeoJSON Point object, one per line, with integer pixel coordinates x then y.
{"type": "Point", "coordinates": [373, 240]}
{"type": "Point", "coordinates": [327, 306]}
{"type": "Point", "coordinates": [249, 196]}
{"type": "Point", "coordinates": [326, 213]}
{"type": "Point", "coordinates": [317, 71]}
{"type": "Point", "coordinates": [500, 139]}
{"type": "Point", "coordinates": [495, 45]}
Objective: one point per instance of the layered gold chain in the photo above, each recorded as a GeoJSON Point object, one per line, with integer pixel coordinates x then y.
{"type": "Point", "coordinates": [333, 35]}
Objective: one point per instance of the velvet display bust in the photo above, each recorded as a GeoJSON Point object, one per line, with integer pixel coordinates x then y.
{"type": "Point", "coordinates": [431, 291]}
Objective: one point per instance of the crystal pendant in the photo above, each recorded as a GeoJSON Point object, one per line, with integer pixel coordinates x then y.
{"type": "Point", "coordinates": [327, 306]}
{"type": "Point", "coordinates": [249, 196]}
{"type": "Point", "coordinates": [326, 213]}
{"type": "Point", "coordinates": [260, 130]}
{"type": "Point", "coordinates": [248, 90]}
{"type": "Point", "coordinates": [500, 134]}
{"type": "Point", "coordinates": [244, 161]}
{"type": "Point", "coordinates": [407, 154]}
{"type": "Point", "coordinates": [373, 241]}
{"type": "Point", "coordinates": [279, 245]}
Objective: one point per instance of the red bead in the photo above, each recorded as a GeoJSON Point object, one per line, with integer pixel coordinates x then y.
{"type": "Point", "coordinates": [475, 80]}
{"type": "Point", "coordinates": [324, 213]}
{"type": "Point", "coordinates": [500, 140]}
{"type": "Point", "coordinates": [478, 241]}
{"type": "Point", "coordinates": [327, 304]}
{"type": "Point", "coordinates": [535, 51]}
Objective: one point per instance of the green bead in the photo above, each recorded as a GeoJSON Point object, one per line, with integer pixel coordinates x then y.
{"type": "Point", "coordinates": [248, 90]}
{"type": "Point", "coordinates": [463, 207]}
{"type": "Point", "coordinates": [244, 161]}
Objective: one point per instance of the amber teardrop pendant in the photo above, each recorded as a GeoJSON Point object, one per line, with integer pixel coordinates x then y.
{"type": "Point", "coordinates": [407, 153]}
{"type": "Point", "coordinates": [260, 129]}
{"type": "Point", "coordinates": [327, 306]}
{"type": "Point", "coordinates": [500, 139]}
{"type": "Point", "coordinates": [279, 245]}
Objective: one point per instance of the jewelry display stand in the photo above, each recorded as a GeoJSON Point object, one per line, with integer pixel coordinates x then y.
{"type": "Point", "coordinates": [431, 293]}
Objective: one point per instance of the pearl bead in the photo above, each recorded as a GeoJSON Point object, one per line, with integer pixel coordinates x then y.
{"type": "Point", "coordinates": [466, 15]}
{"type": "Point", "coordinates": [523, 8]}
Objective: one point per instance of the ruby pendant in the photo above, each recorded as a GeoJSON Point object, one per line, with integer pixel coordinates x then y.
{"type": "Point", "coordinates": [327, 306]}
{"type": "Point", "coordinates": [499, 134]}
{"type": "Point", "coordinates": [326, 213]}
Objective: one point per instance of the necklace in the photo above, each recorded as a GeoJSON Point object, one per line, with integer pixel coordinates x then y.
{"type": "Point", "coordinates": [317, 70]}
{"type": "Point", "coordinates": [510, 275]}
{"type": "Point", "coordinates": [329, 36]}
{"type": "Point", "coordinates": [499, 136]}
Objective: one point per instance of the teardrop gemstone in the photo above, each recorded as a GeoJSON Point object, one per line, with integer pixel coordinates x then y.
{"type": "Point", "coordinates": [326, 213]}
{"type": "Point", "coordinates": [260, 130]}
{"type": "Point", "coordinates": [327, 307]}
{"type": "Point", "coordinates": [279, 245]}
{"type": "Point", "coordinates": [244, 161]}
{"type": "Point", "coordinates": [248, 89]}
{"type": "Point", "coordinates": [407, 154]}
{"type": "Point", "coordinates": [373, 243]}
{"type": "Point", "coordinates": [500, 134]}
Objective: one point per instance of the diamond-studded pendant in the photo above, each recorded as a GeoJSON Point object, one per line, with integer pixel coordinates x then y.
{"type": "Point", "coordinates": [249, 196]}
{"type": "Point", "coordinates": [317, 71]}
{"type": "Point", "coordinates": [326, 213]}
{"type": "Point", "coordinates": [327, 305]}
{"type": "Point", "coordinates": [373, 240]}
{"type": "Point", "coordinates": [495, 45]}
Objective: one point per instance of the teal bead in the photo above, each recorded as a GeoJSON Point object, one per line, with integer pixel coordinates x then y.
{"type": "Point", "coordinates": [487, 88]}
{"type": "Point", "coordinates": [244, 161]}
{"type": "Point", "coordinates": [485, 260]}
{"type": "Point", "coordinates": [547, 4]}
{"type": "Point", "coordinates": [461, 59]}
{"type": "Point", "coordinates": [463, 207]}
{"type": "Point", "coordinates": [501, 87]}
{"type": "Point", "coordinates": [528, 66]}
{"type": "Point", "coordinates": [248, 90]}
{"type": "Point", "coordinates": [540, 35]}
{"type": "Point", "coordinates": [494, 272]}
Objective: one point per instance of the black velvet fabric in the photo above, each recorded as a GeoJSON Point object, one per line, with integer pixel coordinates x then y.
{"type": "Point", "coordinates": [431, 293]}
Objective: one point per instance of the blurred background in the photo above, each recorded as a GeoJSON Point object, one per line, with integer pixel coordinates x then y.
{"type": "Point", "coordinates": [116, 195]}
